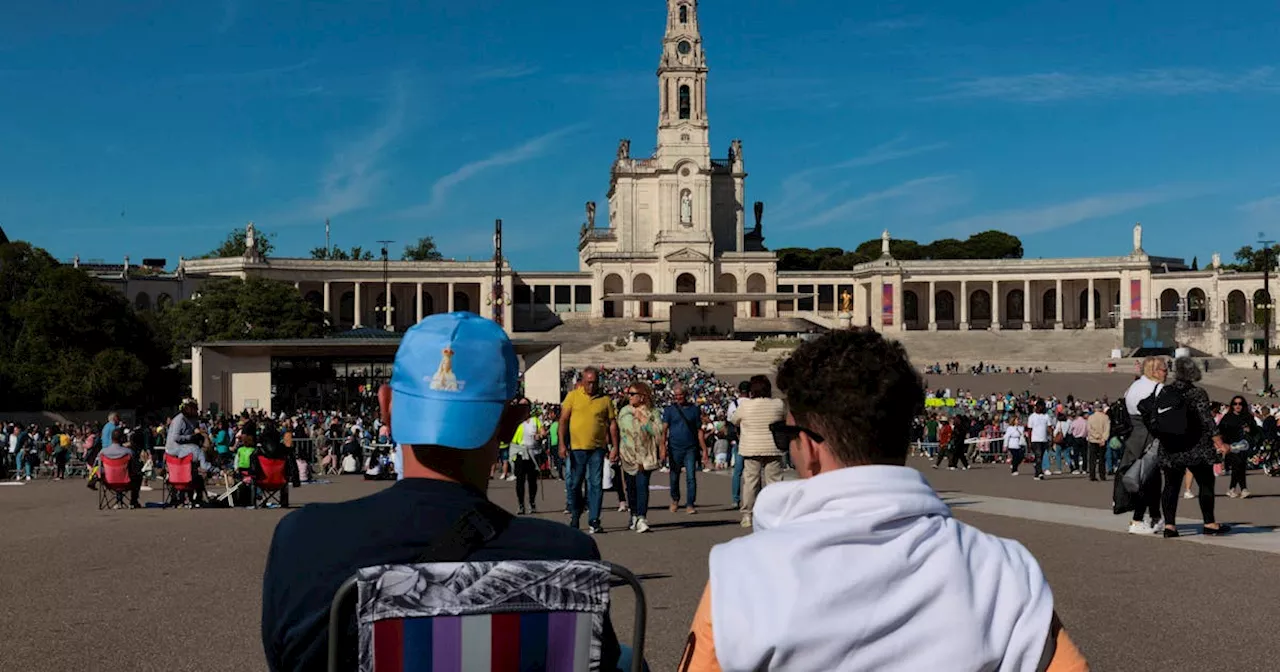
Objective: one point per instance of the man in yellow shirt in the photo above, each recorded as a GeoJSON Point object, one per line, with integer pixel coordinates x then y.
{"type": "Point", "coordinates": [588, 425]}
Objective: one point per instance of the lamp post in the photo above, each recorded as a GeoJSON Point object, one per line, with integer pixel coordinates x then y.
{"type": "Point", "coordinates": [1266, 313]}
{"type": "Point", "coordinates": [498, 297]}
{"type": "Point", "coordinates": [386, 308]}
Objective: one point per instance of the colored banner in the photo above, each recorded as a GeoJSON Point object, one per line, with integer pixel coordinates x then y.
{"type": "Point", "coordinates": [1135, 298]}
{"type": "Point", "coordinates": [886, 304]}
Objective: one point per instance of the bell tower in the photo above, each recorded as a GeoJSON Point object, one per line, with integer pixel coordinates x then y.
{"type": "Point", "coordinates": [683, 130]}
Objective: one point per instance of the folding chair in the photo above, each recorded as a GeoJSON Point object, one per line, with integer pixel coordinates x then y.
{"type": "Point", "coordinates": [479, 616]}
{"type": "Point", "coordinates": [179, 478]}
{"type": "Point", "coordinates": [115, 483]}
{"type": "Point", "coordinates": [271, 482]}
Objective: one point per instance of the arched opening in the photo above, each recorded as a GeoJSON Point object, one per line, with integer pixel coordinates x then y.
{"type": "Point", "coordinates": [612, 285]}
{"type": "Point", "coordinates": [1260, 300]}
{"type": "Point", "coordinates": [1236, 307]}
{"type": "Point", "coordinates": [1197, 305]}
{"type": "Point", "coordinates": [347, 309]}
{"type": "Point", "coordinates": [1083, 304]}
{"type": "Point", "coordinates": [910, 307]}
{"type": "Point", "coordinates": [686, 283]}
{"type": "Point", "coordinates": [980, 306]}
{"type": "Point", "coordinates": [685, 105]}
{"type": "Point", "coordinates": [684, 14]}
{"type": "Point", "coordinates": [727, 283]}
{"type": "Point", "coordinates": [315, 298]}
{"type": "Point", "coordinates": [643, 284]}
{"type": "Point", "coordinates": [461, 302]}
{"type": "Point", "coordinates": [756, 284]}
{"type": "Point", "coordinates": [142, 301]}
{"type": "Point", "coordinates": [1169, 303]}
{"type": "Point", "coordinates": [944, 306]}
{"type": "Point", "coordinates": [164, 302]}
{"type": "Point", "coordinates": [1049, 305]}
{"type": "Point", "coordinates": [1015, 306]}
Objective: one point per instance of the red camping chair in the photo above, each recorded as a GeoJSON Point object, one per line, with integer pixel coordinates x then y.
{"type": "Point", "coordinates": [270, 482]}
{"type": "Point", "coordinates": [179, 479]}
{"type": "Point", "coordinates": [115, 482]}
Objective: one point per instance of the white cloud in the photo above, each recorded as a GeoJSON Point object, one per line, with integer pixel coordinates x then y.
{"type": "Point", "coordinates": [504, 72]}
{"type": "Point", "coordinates": [525, 151]}
{"type": "Point", "coordinates": [889, 25]}
{"type": "Point", "coordinates": [867, 204]}
{"type": "Point", "coordinates": [1056, 86]}
{"type": "Point", "coordinates": [799, 193]}
{"type": "Point", "coordinates": [1262, 206]}
{"type": "Point", "coordinates": [1058, 215]}
{"type": "Point", "coordinates": [353, 177]}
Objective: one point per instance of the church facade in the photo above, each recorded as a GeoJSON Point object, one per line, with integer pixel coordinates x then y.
{"type": "Point", "coordinates": [678, 235]}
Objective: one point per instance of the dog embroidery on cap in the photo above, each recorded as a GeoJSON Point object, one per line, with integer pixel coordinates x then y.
{"type": "Point", "coordinates": [444, 380]}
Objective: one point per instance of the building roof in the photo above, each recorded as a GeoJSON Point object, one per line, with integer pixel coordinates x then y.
{"type": "Point", "coordinates": [349, 346]}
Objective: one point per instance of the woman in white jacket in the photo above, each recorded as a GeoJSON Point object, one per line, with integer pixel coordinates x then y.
{"type": "Point", "coordinates": [762, 461]}
{"type": "Point", "coordinates": [1015, 442]}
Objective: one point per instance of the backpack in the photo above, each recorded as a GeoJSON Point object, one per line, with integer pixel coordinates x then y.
{"type": "Point", "coordinates": [1168, 417]}
{"type": "Point", "coordinates": [1121, 423]}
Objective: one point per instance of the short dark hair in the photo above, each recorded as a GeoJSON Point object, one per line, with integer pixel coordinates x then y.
{"type": "Point", "coordinates": [117, 435]}
{"type": "Point", "coordinates": [744, 387]}
{"type": "Point", "coordinates": [859, 391]}
{"type": "Point", "coordinates": [760, 387]}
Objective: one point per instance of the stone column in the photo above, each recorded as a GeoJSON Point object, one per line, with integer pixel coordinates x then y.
{"type": "Point", "coordinates": [418, 287]}
{"type": "Point", "coordinates": [964, 306]}
{"type": "Point", "coordinates": [1089, 303]}
{"type": "Point", "coordinates": [359, 317]}
{"type": "Point", "coordinates": [1026, 304]}
{"type": "Point", "coordinates": [995, 306]}
{"type": "Point", "coordinates": [1057, 299]}
{"type": "Point", "coordinates": [387, 310]}
{"type": "Point", "coordinates": [449, 302]}
{"type": "Point", "coordinates": [328, 307]}
{"type": "Point", "coordinates": [933, 318]}
{"type": "Point", "coordinates": [899, 319]}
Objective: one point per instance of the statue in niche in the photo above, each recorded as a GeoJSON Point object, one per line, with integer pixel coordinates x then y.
{"type": "Point", "coordinates": [846, 302]}
{"type": "Point", "coordinates": [686, 207]}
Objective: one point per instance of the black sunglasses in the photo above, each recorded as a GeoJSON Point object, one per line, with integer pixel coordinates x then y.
{"type": "Point", "coordinates": [784, 434]}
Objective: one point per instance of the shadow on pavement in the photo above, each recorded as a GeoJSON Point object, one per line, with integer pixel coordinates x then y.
{"type": "Point", "coordinates": [692, 524]}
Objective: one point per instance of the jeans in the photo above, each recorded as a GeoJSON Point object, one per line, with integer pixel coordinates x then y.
{"type": "Point", "coordinates": [735, 487]}
{"type": "Point", "coordinates": [1039, 456]}
{"type": "Point", "coordinates": [684, 459]}
{"type": "Point", "coordinates": [586, 465]}
{"type": "Point", "coordinates": [1115, 448]}
{"type": "Point", "coordinates": [1054, 453]}
{"type": "Point", "coordinates": [638, 492]}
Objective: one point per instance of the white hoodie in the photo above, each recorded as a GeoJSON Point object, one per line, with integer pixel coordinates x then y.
{"type": "Point", "coordinates": [865, 569]}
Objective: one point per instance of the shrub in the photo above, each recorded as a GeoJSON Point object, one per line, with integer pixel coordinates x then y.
{"type": "Point", "coordinates": [608, 347]}
{"type": "Point", "coordinates": [620, 341]}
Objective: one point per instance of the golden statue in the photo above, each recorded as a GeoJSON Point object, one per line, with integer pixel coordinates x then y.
{"type": "Point", "coordinates": [846, 302]}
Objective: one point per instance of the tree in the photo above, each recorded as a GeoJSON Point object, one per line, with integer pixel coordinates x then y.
{"type": "Point", "coordinates": [1195, 263]}
{"type": "Point", "coordinates": [251, 309]}
{"type": "Point", "coordinates": [356, 253]}
{"type": "Point", "coordinates": [423, 250]}
{"type": "Point", "coordinates": [234, 244]}
{"type": "Point", "coordinates": [985, 245]}
{"type": "Point", "coordinates": [104, 356]}
{"type": "Point", "coordinates": [1251, 260]}
{"type": "Point", "coordinates": [993, 245]}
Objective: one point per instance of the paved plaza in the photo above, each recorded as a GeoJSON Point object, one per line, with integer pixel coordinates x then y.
{"type": "Point", "coordinates": [179, 590]}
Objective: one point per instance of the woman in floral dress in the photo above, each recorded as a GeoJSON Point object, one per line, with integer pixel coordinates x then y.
{"type": "Point", "coordinates": [643, 450]}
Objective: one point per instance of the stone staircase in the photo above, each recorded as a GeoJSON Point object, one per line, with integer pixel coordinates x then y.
{"type": "Point", "coordinates": [718, 356]}
{"type": "Point", "coordinates": [1069, 350]}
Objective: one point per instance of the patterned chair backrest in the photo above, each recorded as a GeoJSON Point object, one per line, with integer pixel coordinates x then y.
{"type": "Point", "coordinates": [499, 616]}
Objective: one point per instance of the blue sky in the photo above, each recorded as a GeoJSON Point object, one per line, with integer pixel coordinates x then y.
{"type": "Point", "coordinates": [152, 128]}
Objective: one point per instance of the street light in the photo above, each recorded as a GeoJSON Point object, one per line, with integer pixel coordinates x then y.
{"type": "Point", "coordinates": [1266, 313]}
{"type": "Point", "coordinates": [386, 308]}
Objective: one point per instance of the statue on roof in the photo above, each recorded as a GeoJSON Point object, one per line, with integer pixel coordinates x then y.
{"type": "Point", "coordinates": [591, 214]}
{"type": "Point", "coordinates": [1137, 238]}
{"type": "Point", "coordinates": [884, 243]}
{"type": "Point", "coordinates": [735, 150]}
{"type": "Point", "coordinates": [624, 149]}
{"type": "Point", "coordinates": [250, 237]}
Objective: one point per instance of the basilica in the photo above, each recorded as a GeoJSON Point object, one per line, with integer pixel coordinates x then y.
{"type": "Point", "coordinates": [680, 245]}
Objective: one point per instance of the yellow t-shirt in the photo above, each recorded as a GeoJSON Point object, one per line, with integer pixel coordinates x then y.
{"type": "Point", "coordinates": [589, 419]}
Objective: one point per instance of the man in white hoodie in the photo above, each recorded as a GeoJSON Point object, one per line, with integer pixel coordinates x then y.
{"type": "Point", "coordinates": [859, 565]}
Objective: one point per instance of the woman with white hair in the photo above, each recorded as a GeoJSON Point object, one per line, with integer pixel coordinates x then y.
{"type": "Point", "coordinates": [1194, 454]}
{"type": "Point", "coordinates": [1148, 496]}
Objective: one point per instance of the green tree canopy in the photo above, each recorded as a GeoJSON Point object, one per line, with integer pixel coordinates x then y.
{"type": "Point", "coordinates": [356, 253]}
{"type": "Point", "coordinates": [423, 250]}
{"type": "Point", "coordinates": [985, 245]}
{"type": "Point", "coordinates": [252, 309]}
{"type": "Point", "coordinates": [71, 343]}
{"type": "Point", "coordinates": [234, 244]}
{"type": "Point", "coordinates": [1251, 260]}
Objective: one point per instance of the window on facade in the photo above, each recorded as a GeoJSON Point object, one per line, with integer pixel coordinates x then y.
{"type": "Point", "coordinates": [684, 14]}
{"type": "Point", "coordinates": [684, 102]}
{"type": "Point", "coordinates": [582, 295]}
{"type": "Point", "coordinates": [542, 294]}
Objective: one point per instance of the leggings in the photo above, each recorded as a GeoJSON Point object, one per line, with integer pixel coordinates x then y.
{"type": "Point", "coordinates": [1016, 455]}
{"type": "Point", "coordinates": [526, 472]}
{"type": "Point", "coordinates": [1239, 465]}
{"type": "Point", "coordinates": [60, 464]}
{"type": "Point", "coordinates": [1203, 474]}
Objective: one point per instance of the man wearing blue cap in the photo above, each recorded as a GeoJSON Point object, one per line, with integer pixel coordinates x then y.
{"type": "Point", "coordinates": [454, 392]}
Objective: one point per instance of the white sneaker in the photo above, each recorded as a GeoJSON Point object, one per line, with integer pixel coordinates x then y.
{"type": "Point", "coordinates": [1013, 473]}
{"type": "Point", "coordinates": [1075, 472]}
{"type": "Point", "coordinates": [642, 525]}
{"type": "Point", "coordinates": [622, 506]}
{"type": "Point", "coordinates": [1232, 493]}
{"type": "Point", "coordinates": [666, 470]}
{"type": "Point", "coordinates": [1188, 495]}
{"type": "Point", "coordinates": [951, 468]}
{"type": "Point", "coordinates": [632, 526]}
{"type": "Point", "coordinates": [511, 477]}
{"type": "Point", "coordinates": [1139, 527]}
{"type": "Point", "coordinates": [1244, 494]}
{"type": "Point", "coordinates": [28, 478]}
{"type": "Point", "coordinates": [1155, 525]}
{"type": "Point", "coordinates": [746, 520]}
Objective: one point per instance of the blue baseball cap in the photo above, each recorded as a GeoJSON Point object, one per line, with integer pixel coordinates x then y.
{"type": "Point", "coordinates": [453, 377]}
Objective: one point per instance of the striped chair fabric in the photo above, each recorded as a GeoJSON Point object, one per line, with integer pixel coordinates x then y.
{"type": "Point", "coordinates": [552, 641]}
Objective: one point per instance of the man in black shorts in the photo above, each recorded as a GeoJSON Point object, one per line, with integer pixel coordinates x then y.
{"type": "Point", "coordinates": [453, 385]}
